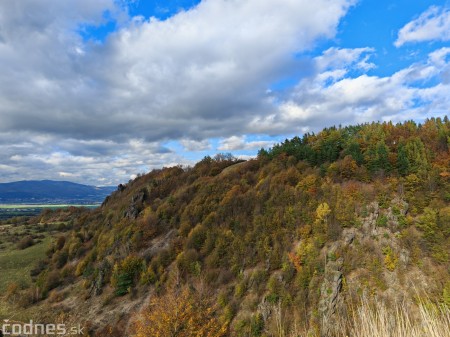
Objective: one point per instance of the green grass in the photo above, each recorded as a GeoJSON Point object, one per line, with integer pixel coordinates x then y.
{"type": "Point", "coordinates": [15, 265]}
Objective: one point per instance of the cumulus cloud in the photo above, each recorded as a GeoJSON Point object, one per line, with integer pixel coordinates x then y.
{"type": "Point", "coordinates": [199, 73]}
{"type": "Point", "coordinates": [72, 106]}
{"type": "Point", "coordinates": [234, 143]}
{"type": "Point", "coordinates": [195, 145]}
{"type": "Point", "coordinates": [433, 24]}
{"type": "Point", "coordinates": [26, 156]}
{"type": "Point", "coordinates": [341, 59]}
{"type": "Point", "coordinates": [331, 96]}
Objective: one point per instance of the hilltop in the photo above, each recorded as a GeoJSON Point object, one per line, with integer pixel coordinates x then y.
{"type": "Point", "coordinates": [284, 244]}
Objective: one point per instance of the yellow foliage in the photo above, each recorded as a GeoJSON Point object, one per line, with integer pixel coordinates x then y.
{"type": "Point", "coordinates": [390, 259]}
{"type": "Point", "coordinates": [308, 183]}
{"type": "Point", "coordinates": [322, 212]}
{"type": "Point", "coordinates": [304, 250]}
{"type": "Point", "coordinates": [81, 266]}
{"type": "Point", "coordinates": [179, 313]}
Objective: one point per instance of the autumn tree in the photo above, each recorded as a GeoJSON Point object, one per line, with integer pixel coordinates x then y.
{"type": "Point", "coordinates": [180, 312]}
{"type": "Point", "coordinates": [321, 223]}
{"type": "Point", "coordinates": [126, 273]}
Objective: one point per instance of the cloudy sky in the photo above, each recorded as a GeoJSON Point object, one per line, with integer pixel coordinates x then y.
{"type": "Point", "coordinates": [97, 91]}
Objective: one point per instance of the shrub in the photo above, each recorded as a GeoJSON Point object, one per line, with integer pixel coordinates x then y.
{"type": "Point", "coordinates": [40, 266]}
{"type": "Point", "coordinates": [179, 312]}
{"type": "Point", "coordinates": [126, 273]}
{"type": "Point", "coordinates": [53, 280]}
{"type": "Point", "coordinates": [188, 263]}
{"type": "Point", "coordinates": [25, 242]}
{"type": "Point", "coordinates": [196, 237]}
{"type": "Point", "coordinates": [60, 258]}
{"type": "Point", "coordinates": [390, 258]}
{"type": "Point", "coordinates": [60, 242]}
{"type": "Point", "coordinates": [382, 221]}
{"type": "Point", "coordinates": [12, 292]}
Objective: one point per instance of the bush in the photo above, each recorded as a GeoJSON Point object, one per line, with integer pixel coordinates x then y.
{"type": "Point", "coordinates": [53, 280]}
{"type": "Point", "coordinates": [60, 258]}
{"type": "Point", "coordinates": [12, 292]}
{"type": "Point", "coordinates": [382, 221]}
{"type": "Point", "coordinates": [126, 273]}
{"type": "Point", "coordinates": [187, 262]}
{"type": "Point", "coordinates": [27, 298]}
{"type": "Point", "coordinates": [40, 266]}
{"type": "Point", "coordinates": [197, 237]}
{"type": "Point", "coordinates": [60, 243]}
{"type": "Point", "coordinates": [26, 242]}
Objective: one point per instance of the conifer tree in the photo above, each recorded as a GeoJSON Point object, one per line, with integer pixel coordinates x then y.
{"type": "Point", "coordinates": [403, 165]}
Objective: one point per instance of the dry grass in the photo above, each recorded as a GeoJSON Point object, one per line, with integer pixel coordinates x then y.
{"type": "Point", "coordinates": [379, 321]}
{"type": "Point", "coordinates": [375, 320]}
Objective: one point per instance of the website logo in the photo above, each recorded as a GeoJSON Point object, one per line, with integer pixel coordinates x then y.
{"type": "Point", "coordinates": [9, 328]}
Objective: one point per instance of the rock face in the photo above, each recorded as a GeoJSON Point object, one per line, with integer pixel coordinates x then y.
{"type": "Point", "coordinates": [369, 222]}
{"type": "Point", "coordinates": [377, 233]}
{"type": "Point", "coordinates": [136, 206]}
{"type": "Point", "coordinates": [330, 298]}
{"type": "Point", "coordinates": [97, 285]}
{"type": "Point", "coordinates": [331, 302]}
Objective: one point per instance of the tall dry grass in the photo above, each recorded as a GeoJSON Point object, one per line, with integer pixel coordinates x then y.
{"type": "Point", "coordinates": [379, 321]}
{"type": "Point", "coordinates": [375, 320]}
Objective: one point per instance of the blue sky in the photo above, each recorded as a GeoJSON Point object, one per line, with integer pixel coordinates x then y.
{"type": "Point", "coordinates": [96, 92]}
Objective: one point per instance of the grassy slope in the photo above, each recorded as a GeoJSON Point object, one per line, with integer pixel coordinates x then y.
{"type": "Point", "coordinates": [15, 265]}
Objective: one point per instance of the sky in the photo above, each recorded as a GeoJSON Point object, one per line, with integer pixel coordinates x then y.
{"type": "Point", "coordinates": [96, 92]}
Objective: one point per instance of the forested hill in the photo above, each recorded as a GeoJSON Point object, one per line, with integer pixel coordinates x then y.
{"type": "Point", "coordinates": [289, 241]}
{"type": "Point", "coordinates": [397, 150]}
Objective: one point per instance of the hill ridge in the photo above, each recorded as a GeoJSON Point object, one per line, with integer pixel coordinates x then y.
{"type": "Point", "coordinates": [47, 191]}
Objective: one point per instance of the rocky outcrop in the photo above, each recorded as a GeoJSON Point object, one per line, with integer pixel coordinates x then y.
{"type": "Point", "coordinates": [331, 303]}
{"type": "Point", "coordinates": [330, 300]}
{"type": "Point", "coordinates": [97, 285]}
{"type": "Point", "coordinates": [137, 204]}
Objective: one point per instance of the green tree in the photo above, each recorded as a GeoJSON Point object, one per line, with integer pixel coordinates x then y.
{"type": "Point", "coordinates": [354, 150]}
{"type": "Point", "coordinates": [403, 165]}
{"type": "Point", "coordinates": [382, 157]}
{"type": "Point", "coordinates": [417, 156]}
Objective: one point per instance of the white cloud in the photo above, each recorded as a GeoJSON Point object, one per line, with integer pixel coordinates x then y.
{"type": "Point", "coordinates": [194, 145]}
{"type": "Point", "coordinates": [336, 58]}
{"type": "Point", "coordinates": [93, 162]}
{"type": "Point", "coordinates": [333, 97]}
{"type": "Point", "coordinates": [67, 175]}
{"type": "Point", "coordinates": [102, 110]}
{"type": "Point", "coordinates": [201, 73]}
{"type": "Point", "coordinates": [235, 143]}
{"type": "Point", "coordinates": [433, 24]}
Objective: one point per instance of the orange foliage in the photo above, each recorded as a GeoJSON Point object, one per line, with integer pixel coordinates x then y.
{"type": "Point", "coordinates": [179, 313]}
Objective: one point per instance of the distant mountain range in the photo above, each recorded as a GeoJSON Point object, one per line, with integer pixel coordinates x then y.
{"type": "Point", "coordinates": [52, 192]}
